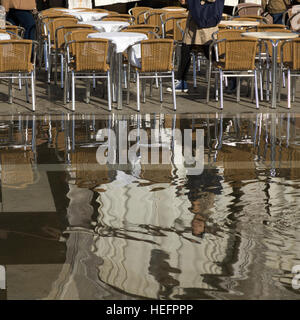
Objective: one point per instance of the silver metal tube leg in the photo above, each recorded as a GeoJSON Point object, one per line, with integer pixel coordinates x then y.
{"type": "Point", "coordinates": [73, 91]}
{"type": "Point", "coordinates": [33, 91]}
{"type": "Point", "coordinates": [173, 91]}
{"type": "Point", "coordinates": [256, 89]}
{"type": "Point", "coordinates": [289, 88]}
{"type": "Point", "coordinates": [138, 91]}
{"type": "Point", "coordinates": [221, 89]}
{"type": "Point", "coordinates": [109, 90]}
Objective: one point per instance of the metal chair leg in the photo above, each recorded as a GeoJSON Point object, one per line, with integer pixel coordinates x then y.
{"type": "Point", "coordinates": [289, 88]}
{"type": "Point", "coordinates": [221, 89]}
{"type": "Point", "coordinates": [33, 91]}
{"type": "Point", "coordinates": [73, 91]}
{"type": "Point", "coordinates": [256, 89]}
{"type": "Point", "coordinates": [173, 91]}
{"type": "Point", "coordinates": [109, 90]}
{"type": "Point", "coordinates": [138, 91]}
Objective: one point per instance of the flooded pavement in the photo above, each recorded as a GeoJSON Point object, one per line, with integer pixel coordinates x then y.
{"type": "Point", "coordinates": [75, 227]}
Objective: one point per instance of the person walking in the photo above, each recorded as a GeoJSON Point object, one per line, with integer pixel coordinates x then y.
{"type": "Point", "coordinates": [198, 33]}
{"type": "Point", "coordinates": [276, 8]}
{"type": "Point", "coordinates": [20, 13]}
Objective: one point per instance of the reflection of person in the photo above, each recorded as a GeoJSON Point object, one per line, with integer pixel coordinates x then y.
{"type": "Point", "coordinates": [276, 8]}
{"type": "Point", "coordinates": [194, 36]}
{"type": "Point", "coordinates": [202, 192]}
{"type": "Point", "coordinates": [20, 12]}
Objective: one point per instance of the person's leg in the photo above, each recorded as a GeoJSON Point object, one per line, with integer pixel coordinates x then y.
{"type": "Point", "coordinates": [185, 62]}
{"type": "Point", "coordinates": [11, 17]}
{"type": "Point", "coordinates": [26, 20]}
{"type": "Point", "coordinates": [277, 18]}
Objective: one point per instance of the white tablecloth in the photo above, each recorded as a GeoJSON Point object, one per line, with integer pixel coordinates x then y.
{"type": "Point", "coordinates": [122, 40]}
{"type": "Point", "coordinates": [80, 4]}
{"type": "Point", "coordinates": [86, 16]}
{"type": "Point", "coordinates": [4, 36]}
{"type": "Point", "coordinates": [108, 26]}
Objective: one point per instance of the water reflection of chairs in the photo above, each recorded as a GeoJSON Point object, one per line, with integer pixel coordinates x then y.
{"type": "Point", "coordinates": [89, 173]}
{"type": "Point", "coordinates": [18, 155]}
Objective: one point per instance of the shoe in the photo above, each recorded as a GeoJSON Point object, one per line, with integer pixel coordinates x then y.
{"type": "Point", "coordinates": [180, 86]}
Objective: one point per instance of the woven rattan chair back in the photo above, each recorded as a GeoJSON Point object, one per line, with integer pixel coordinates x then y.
{"type": "Point", "coordinates": [179, 28]}
{"type": "Point", "coordinates": [138, 13]}
{"type": "Point", "coordinates": [119, 17]}
{"type": "Point", "coordinates": [150, 34]}
{"type": "Point", "coordinates": [244, 9]}
{"type": "Point", "coordinates": [296, 54]}
{"type": "Point", "coordinates": [144, 27]}
{"type": "Point", "coordinates": [228, 34]}
{"type": "Point", "coordinates": [15, 56]}
{"type": "Point", "coordinates": [157, 55]}
{"type": "Point", "coordinates": [61, 32]}
{"type": "Point", "coordinates": [100, 10]}
{"type": "Point", "coordinates": [77, 35]}
{"type": "Point", "coordinates": [16, 29]}
{"type": "Point", "coordinates": [91, 55]}
{"type": "Point", "coordinates": [170, 19]}
{"type": "Point", "coordinates": [56, 23]}
{"type": "Point", "coordinates": [153, 17]}
{"type": "Point", "coordinates": [240, 54]}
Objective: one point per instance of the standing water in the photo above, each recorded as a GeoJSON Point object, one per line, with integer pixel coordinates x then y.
{"type": "Point", "coordinates": [80, 228]}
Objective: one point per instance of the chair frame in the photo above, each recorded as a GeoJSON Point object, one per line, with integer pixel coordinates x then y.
{"type": "Point", "coordinates": [153, 75]}
{"type": "Point", "coordinates": [91, 75]}
{"type": "Point", "coordinates": [21, 74]}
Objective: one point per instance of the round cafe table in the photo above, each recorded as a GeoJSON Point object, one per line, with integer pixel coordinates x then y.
{"type": "Point", "coordinates": [239, 23]}
{"type": "Point", "coordinates": [4, 36]}
{"type": "Point", "coordinates": [122, 41]}
{"type": "Point", "coordinates": [86, 16]}
{"type": "Point", "coordinates": [107, 26]}
{"type": "Point", "coordinates": [274, 38]}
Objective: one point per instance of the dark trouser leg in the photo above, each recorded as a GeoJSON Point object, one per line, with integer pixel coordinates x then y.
{"type": "Point", "coordinates": [277, 18]}
{"type": "Point", "coordinates": [185, 62]}
{"type": "Point", "coordinates": [25, 19]}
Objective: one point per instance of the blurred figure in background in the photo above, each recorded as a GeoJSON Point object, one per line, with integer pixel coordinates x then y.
{"type": "Point", "coordinates": [20, 13]}
{"type": "Point", "coordinates": [276, 8]}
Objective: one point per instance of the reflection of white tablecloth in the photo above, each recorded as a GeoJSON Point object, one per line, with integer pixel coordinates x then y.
{"type": "Point", "coordinates": [108, 26]}
{"type": "Point", "coordinates": [85, 16]}
{"type": "Point", "coordinates": [4, 36]}
{"type": "Point", "coordinates": [122, 40]}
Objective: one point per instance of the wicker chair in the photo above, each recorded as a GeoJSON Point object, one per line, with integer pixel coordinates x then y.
{"type": "Point", "coordinates": [156, 62]}
{"type": "Point", "coordinates": [42, 33]}
{"type": "Point", "coordinates": [169, 23]}
{"type": "Point", "coordinates": [239, 61]}
{"type": "Point", "coordinates": [153, 17]}
{"type": "Point", "coordinates": [292, 64]}
{"type": "Point", "coordinates": [16, 29]}
{"type": "Point", "coordinates": [15, 63]}
{"type": "Point", "coordinates": [243, 9]}
{"type": "Point", "coordinates": [119, 17]}
{"type": "Point", "coordinates": [250, 18]}
{"type": "Point", "coordinates": [219, 46]}
{"type": "Point", "coordinates": [60, 33]}
{"type": "Point", "coordinates": [53, 50]}
{"type": "Point", "coordinates": [138, 13]}
{"type": "Point", "coordinates": [90, 62]}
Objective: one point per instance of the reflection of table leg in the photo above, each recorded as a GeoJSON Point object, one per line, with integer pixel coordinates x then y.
{"type": "Point", "coordinates": [119, 70]}
{"type": "Point", "coordinates": [274, 71]}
